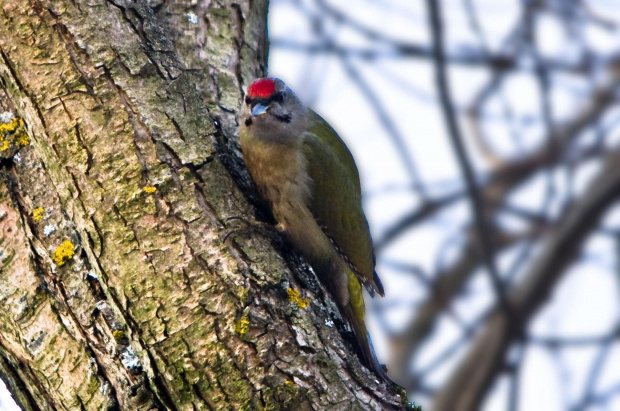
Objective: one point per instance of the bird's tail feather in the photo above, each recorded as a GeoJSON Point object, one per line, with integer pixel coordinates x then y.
{"type": "Point", "coordinates": [369, 358]}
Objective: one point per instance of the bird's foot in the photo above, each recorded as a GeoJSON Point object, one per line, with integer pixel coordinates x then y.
{"type": "Point", "coordinates": [256, 227]}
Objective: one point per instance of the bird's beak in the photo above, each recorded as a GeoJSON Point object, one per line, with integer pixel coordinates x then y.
{"type": "Point", "coordinates": [259, 109]}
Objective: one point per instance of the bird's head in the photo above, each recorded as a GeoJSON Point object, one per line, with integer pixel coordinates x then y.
{"type": "Point", "coordinates": [270, 104]}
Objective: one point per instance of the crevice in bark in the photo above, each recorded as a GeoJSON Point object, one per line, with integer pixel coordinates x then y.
{"type": "Point", "coordinates": [26, 377]}
{"type": "Point", "coordinates": [9, 66]}
{"type": "Point", "coordinates": [21, 392]}
{"type": "Point", "coordinates": [51, 279]}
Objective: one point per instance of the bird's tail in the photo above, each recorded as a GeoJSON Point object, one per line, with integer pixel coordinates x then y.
{"type": "Point", "coordinates": [369, 358]}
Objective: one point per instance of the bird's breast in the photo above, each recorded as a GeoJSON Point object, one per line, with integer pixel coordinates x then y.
{"type": "Point", "coordinates": [278, 171]}
{"type": "Point", "coordinates": [281, 178]}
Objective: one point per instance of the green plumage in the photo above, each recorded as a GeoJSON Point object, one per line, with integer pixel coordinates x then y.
{"type": "Point", "coordinates": [336, 198]}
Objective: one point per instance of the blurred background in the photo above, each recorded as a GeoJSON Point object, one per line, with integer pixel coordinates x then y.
{"type": "Point", "coordinates": [500, 264]}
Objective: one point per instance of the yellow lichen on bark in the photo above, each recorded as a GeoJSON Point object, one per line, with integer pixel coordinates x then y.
{"type": "Point", "coordinates": [149, 189]}
{"type": "Point", "coordinates": [11, 126]}
{"type": "Point", "coordinates": [37, 214]}
{"type": "Point", "coordinates": [242, 326]}
{"type": "Point", "coordinates": [293, 296]}
{"type": "Point", "coordinates": [20, 137]}
{"type": "Point", "coordinates": [118, 334]}
{"type": "Point", "coordinates": [13, 132]}
{"type": "Point", "coordinates": [63, 253]}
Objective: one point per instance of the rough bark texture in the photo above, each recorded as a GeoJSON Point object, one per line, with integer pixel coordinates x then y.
{"type": "Point", "coordinates": [117, 176]}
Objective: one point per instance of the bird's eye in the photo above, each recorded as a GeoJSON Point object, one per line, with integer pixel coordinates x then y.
{"type": "Point", "coordinates": [248, 100]}
{"type": "Point", "coordinates": [279, 97]}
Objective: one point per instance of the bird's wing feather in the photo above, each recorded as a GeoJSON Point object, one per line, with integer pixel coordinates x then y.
{"type": "Point", "coordinates": [336, 199]}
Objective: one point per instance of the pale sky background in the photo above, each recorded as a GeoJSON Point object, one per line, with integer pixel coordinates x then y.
{"type": "Point", "coordinates": [586, 301]}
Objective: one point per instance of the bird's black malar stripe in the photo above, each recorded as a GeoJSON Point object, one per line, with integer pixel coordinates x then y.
{"type": "Point", "coordinates": [285, 118]}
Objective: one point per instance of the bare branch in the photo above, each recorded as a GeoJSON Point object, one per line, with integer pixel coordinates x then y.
{"type": "Point", "coordinates": [471, 380]}
{"type": "Point", "coordinates": [477, 203]}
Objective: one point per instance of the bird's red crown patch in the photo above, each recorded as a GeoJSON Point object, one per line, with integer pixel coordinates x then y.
{"type": "Point", "coordinates": [262, 88]}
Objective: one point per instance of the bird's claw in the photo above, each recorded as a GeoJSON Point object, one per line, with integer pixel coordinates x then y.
{"type": "Point", "coordinates": [237, 217]}
{"type": "Point", "coordinates": [267, 230]}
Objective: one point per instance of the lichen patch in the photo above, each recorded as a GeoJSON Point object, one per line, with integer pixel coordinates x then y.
{"type": "Point", "coordinates": [13, 133]}
{"type": "Point", "coordinates": [242, 326]}
{"type": "Point", "coordinates": [63, 253]}
{"type": "Point", "coordinates": [293, 296]}
{"type": "Point", "coordinates": [37, 214]}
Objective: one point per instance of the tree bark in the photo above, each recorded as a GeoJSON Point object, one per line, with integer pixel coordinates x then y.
{"type": "Point", "coordinates": [118, 173]}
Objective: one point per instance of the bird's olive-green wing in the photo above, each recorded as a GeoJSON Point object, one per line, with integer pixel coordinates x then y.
{"type": "Point", "coordinates": [336, 199]}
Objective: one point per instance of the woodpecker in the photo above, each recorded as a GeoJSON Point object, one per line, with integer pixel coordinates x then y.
{"type": "Point", "coordinates": [306, 173]}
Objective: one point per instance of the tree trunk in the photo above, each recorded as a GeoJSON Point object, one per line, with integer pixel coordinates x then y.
{"type": "Point", "coordinates": [118, 173]}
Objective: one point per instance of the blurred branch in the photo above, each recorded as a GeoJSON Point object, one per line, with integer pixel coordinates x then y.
{"type": "Point", "coordinates": [502, 181]}
{"type": "Point", "coordinates": [418, 215]}
{"type": "Point", "coordinates": [605, 396]}
{"type": "Point", "coordinates": [451, 350]}
{"type": "Point", "coordinates": [501, 63]}
{"type": "Point", "coordinates": [474, 113]}
{"type": "Point", "coordinates": [593, 376]}
{"type": "Point", "coordinates": [447, 285]}
{"type": "Point", "coordinates": [472, 378]}
{"type": "Point", "coordinates": [553, 342]}
{"type": "Point", "coordinates": [397, 139]}
{"type": "Point", "coordinates": [510, 174]}
{"type": "Point", "coordinates": [603, 22]}
{"type": "Point", "coordinates": [407, 268]}
{"type": "Point", "coordinates": [478, 206]}
{"type": "Point", "coordinates": [515, 373]}
{"type": "Point", "coordinates": [537, 240]}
